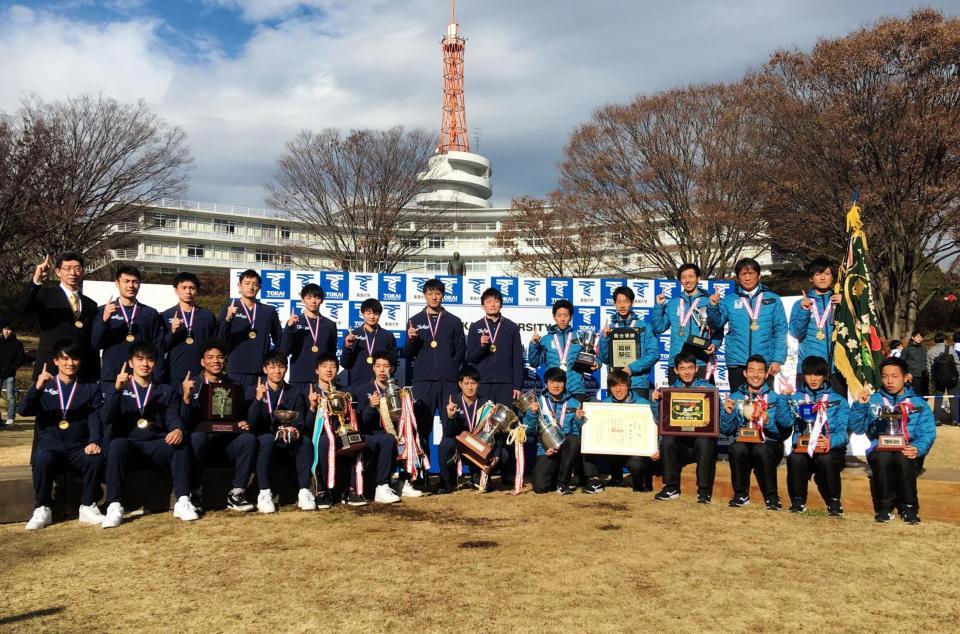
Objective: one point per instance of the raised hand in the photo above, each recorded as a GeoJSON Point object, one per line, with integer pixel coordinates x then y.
{"type": "Point", "coordinates": [42, 270]}
{"type": "Point", "coordinates": [313, 398]}
{"type": "Point", "coordinates": [188, 385]}
{"type": "Point", "coordinates": [175, 323]}
{"type": "Point", "coordinates": [728, 405]}
{"type": "Point", "coordinates": [715, 299]}
{"type": "Point", "coordinates": [485, 339]}
{"type": "Point", "coordinates": [374, 399]}
{"type": "Point", "coordinates": [261, 389]}
{"type": "Point", "coordinates": [535, 337]}
{"type": "Point", "coordinates": [411, 331]}
{"type": "Point", "coordinates": [451, 407]}
{"type": "Point", "coordinates": [293, 320]}
{"type": "Point", "coordinates": [865, 392]}
{"type": "Point", "coordinates": [122, 377]}
{"type": "Point", "coordinates": [662, 298]}
{"type": "Point", "coordinates": [580, 413]}
{"type": "Point", "coordinates": [231, 311]}
{"type": "Point", "coordinates": [806, 303]}
{"type": "Point", "coordinates": [108, 309]}
{"type": "Point", "coordinates": [43, 377]}
{"type": "Point", "coordinates": [349, 340]}
{"type": "Point", "coordinates": [657, 394]}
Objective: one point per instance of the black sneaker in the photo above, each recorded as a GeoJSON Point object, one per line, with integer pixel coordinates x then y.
{"type": "Point", "coordinates": [883, 517]}
{"type": "Point", "coordinates": [909, 515]}
{"type": "Point", "coordinates": [239, 502]}
{"type": "Point", "coordinates": [562, 490]}
{"type": "Point", "coordinates": [798, 505]}
{"type": "Point", "coordinates": [324, 500]}
{"type": "Point", "coordinates": [442, 490]}
{"type": "Point", "coordinates": [667, 494]}
{"type": "Point", "coordinates": [593, 487]}
{"type": "Point", "coordinates": [834, 509]}
{"type": "Point", "coordinates": [355, 499]}
{"type": "Point", "coordinates": [740, 500]}
{"type": "Point", "coordinates": [704, 498]}
{"type": "Point", "coordinates": [773, 503]}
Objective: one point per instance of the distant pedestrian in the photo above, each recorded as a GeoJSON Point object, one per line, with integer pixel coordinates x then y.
{"type": "Point", "coordinates": [896, 348]}
{"type": "Point", "coordinates": [916, 359]}
{"type": "Point", "coordinates": [12, 357]}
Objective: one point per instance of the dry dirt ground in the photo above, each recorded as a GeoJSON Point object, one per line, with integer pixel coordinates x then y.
{"type": "Point", "coordinates": [613, 562]}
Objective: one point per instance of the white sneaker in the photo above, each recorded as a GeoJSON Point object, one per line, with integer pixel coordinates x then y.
{"type": "Point", "coordinates": [41, 518]}
{"type": "Point", "coordinates": [113, 517]}
{"type": "Point", "coordinates": [184, 509]}
{"type": "Point", "coordinates": [10, 421]}
{"type": "Point", "coordinates": [90, 514]}
{"type": "Point", "coordinates": [265, 502]}
{"type": "Point", "coordinates": [385, 495]}
{"type": "Point", "coordinates": [409, 492]}
{"type": "Point", "coordinates": [306, 501]}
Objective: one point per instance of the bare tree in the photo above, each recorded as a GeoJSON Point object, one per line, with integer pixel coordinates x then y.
{"type": "Point", "coordinates": [555, 239]}
{"type": "Point", "coordinates": [671, 176]}
{"type": "Point", "coordinates": [877, 110]}
{"type": "Point", "coordinates": [355, 190]}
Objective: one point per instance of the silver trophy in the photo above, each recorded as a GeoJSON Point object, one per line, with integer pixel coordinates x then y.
{"type": "Point", "coordinates": [282, 418]}
{"type": "Point", "coordinates": [587, 357]}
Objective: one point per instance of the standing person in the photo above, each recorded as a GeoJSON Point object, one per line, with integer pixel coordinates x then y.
{"type": "Point", "coordinates": [361, 345]}
{"type": "Point", "coordinates": [68, 432]}
{"type": "Point", "coordinates": [123, 324]}
{"type": "Point", "coordinates": [306, 336]}
{"type": "Point", "coordinates": [187, 327]}
{"type": "Point", "coordinates": [685, 316]}
{"type": "Point", "coordinates": [554, 467]}
{"type": "Point", "coordinates": [757, 323]}
{"type": "Point", "coordinates": [63, 313]}
{"type": "Point", "coordinates": [250, 329]}
{"type": "Point", "coordinates": [559, 349]}
{"type": "Point", "coordinates": [494, 348]}
{"type": "Point", "coordinates": [811, 321]}
{"type": "Point", "coordinates": [943, 367]}
{"type": "Point", "coordinates": [436, 345]}
{"type": "Point", "coordinates": [915, 357]}
{"type": "Point", "coordinates": [12, 357]}
{"type": "Point", "coordinates": [648, 352]}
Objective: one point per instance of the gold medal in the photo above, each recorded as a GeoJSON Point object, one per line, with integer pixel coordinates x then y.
{"type": "Point", "coordinates": [78, 324]}
{"type": "Point", "coordinates": [142, 423]}
{"type": "Point", "coordinates": [252, 334]}
{"type": "Point", "coordinates": [64, 424]}
{"type": "Point", "coordinates": [754, 325]}
{"type": "Point", "coordinates": [189, 341]}
{"type": "Point", "coordinates": [314, 349]}
{"type": "Point", "coordinates": [493, 347]}
{"type": "Point", "coordinates": [130, 337]}
{"type": "Point", "coordinates": [433, 344]}
{"type": "Point", "coordinates": [821, 335]}
{"type": "Point", "coordinates": [370, 360]}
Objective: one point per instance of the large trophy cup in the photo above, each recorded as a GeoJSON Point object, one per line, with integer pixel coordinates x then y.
{"type": "Point", "coordinates": [393, 396]}
{"type": "Point", "coordinates": [804, 412]}
{"type": "Point", "coordinates": [891, 436]}
{"type": "Point", "coordinates": [752, 416]}
{"type": "Point", "coordinates": [587, 357]}
{"type": "Point", "coordinates": [339, 409]}
{"type": "Point", "coordinates": [477, 446]}
{"type": "Point", "coordinates": [551, 435]}
{"type": "Point", "coordinates": [282, 426]}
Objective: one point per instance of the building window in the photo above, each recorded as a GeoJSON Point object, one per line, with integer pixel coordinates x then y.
{"type": "Point", "coordinates": [284, 234]}
{"type": "Point", "coordinates": [224, 226]}
{"type": "Point", "coordinates": [409, 243]}
{"type": "Point", "coordinates": [164, 221]}
{"type": "Point", "coordinates": [286, 258]}
{"type": "Point", "coordinates": [435, 242]}
{"type": "Point", "coordinates": [195, 251]}
{"type": "Point", "coordinates": [263, 256]}
{"type": "Point", "coordinates": [534, 242]}
{"type": "Point", "coordinates": [237, 254]}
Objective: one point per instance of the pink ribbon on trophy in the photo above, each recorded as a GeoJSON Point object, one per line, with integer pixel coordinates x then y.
{"type": "Point", "coordinates": [905, 408]}
{"type": "Point", "coordinates": [332, 450]}
{"type": "Point", "coordinates": [820, 424]}
{"type": "Point", "coordinates": [760, 405]}
{"type": "Point", "coordinates": [411, 451]}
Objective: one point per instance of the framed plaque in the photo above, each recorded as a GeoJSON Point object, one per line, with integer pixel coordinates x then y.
{"type": "Point", "coordinates": [221, 408]}
{"type": "Point", "coordinates": [690, 411]}
{"type": "Point", "coordinates": [618, 429]}
{"type": "Point", "coordinates": [624, 347]}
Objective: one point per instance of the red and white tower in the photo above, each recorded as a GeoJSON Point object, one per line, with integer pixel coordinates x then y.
{"type": "Point", "coordinates": [453, 121]}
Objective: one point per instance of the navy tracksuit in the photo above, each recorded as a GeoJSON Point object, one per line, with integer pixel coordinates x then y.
{"type": "Point", "coordinates": [448, 444]}
{"type": "Point", "coordinates": [381, 450]}
{"type": "Point", "coordinates": [435, 370]}
{"type": "Point", "coordinates": [58, 450]}
{"type": "Point", "coordinates": [354, 358]}
{"type": "Point", "coordinates": [240, 448]}
{"type": "Point", "coordinates": [296, 341]}
{"type": "Point", "coordinates": [183, 357]}
{"type": "Point", "coordinates": [127, 440]}
{"type": "Point", "coordinates": [290, 397]}
{"type": "Point", "coordinates": [246, 354]}
{"type": "Point", "coordinates": [501, 371]}
{"type": "Point", "coordinates": [676, 452]}
{"type": "Point", "coordinates": [111, 337]}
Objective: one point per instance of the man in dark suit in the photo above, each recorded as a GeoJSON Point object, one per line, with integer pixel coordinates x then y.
{"type": "Point", "coordinates": [63, 313]}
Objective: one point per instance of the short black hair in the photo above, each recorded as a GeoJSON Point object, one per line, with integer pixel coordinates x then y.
{"type": "Point", "coordinates": [816, 366]}
{"type": "Point", "coordinates": [617, 377]}
{"type": "Point", "coordinates": [746, 263]}
{"type": "Point", "coordinates": [939, 338]}
{"type": "Point", "coordinates": [684, 356]}
{"type": "Point", "coordinates": [68, 256]}
{"type": "Point", "coordinates": [69, 348]}
{"type": "Point", "coordinates": [555, 374]}
{"type": "Point", "coordinates": [819, 265]}
{"type": "Point", "coordinates": [186, 276]}
{"type": "Point", "coordinates": [562, 303]}
{"type": "Point", "coordinates": [492, 292]}
{"type": "Point", "coordinates": [894, 343]}
{"type": "Point", "coordinates": [144, 349]}
{"type": "Point", "coordinates": [325, 357]}
{"type": "Point", "coordinates": [371, 303]}
{"type": "Point", "coordinates": [434, 285]}
{"type": "Point", "coordinates": [688, 266]}
{"type": "Point", "coordinates": [755, 358]}
{"type": "Point", "coordinates": [250, 273]}
{"type": "Point", "coordinates": [896, 361]}
{"type": "Point", "coordinates": [383, 354]}
{"type": "Point", "coordinates": [275, 356]}
{"type": "Point", "coordinates": [468, 372]}
{"type": "Point", "coordinates": [312, 289]}
{"type": "Point", "coordinates": [215, 344]}
{"type": "Point", "coordinates": [126, 269]}
{"type": "Point", "coordinates": [916, 333]}
{"type": "Point", "coordinates": [624, 290]}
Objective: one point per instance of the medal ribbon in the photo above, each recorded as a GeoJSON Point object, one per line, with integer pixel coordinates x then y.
{"type": "Point", "coordinates": [821, 321]}
{"type": "Point", "coordinates": [819, 425]}
{"type": "Point", "coordinates": [565, 349]}
{"type": "Point", "coordinates": [141, 404]}
{"type": "Point", "coordinates": [471, 418]}
{"type": "Point", "coordinates": [314, 333]}
{"type": "Point", "coordinates": [251, 316]}
{"type": "Point", "coordinates": [686, 315]}
{"type": "Point", "coordinates": [128, 319]}
{"type": "Point", "coordinates": [73, 390]}
{"type": "Point", "coordinates": [434, 328]}
{"type": "Point", "coordinates": [493, 335]}
{"type": "Point", "coordinates": [270, 406]}
{"type": "Point", "coordinates": [370, 344]}
{"type": "Point", "coordinates": [188, 322]}
{"type": "Point", "coordinates": [760, 406]}
{"type": "Point", "coordinates": [753, 309]}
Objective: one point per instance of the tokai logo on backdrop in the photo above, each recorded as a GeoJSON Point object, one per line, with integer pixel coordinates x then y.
{"type": "Point", "coordinates": [721, 288]}
{"type": "Point", "coordinates": [507, 287]}
{"type": "Point", "coordinates": [644, 292]}
{"type": "Point", "coordinates": [302, 278]}
{"type": "Point", "coordinates": [337, 312]}
{"type": "Point", "coordinates": [607, 286]}
{"type": "Point", "coordinates": [453, 289]}
{"type": "Point", "coordinates": [276, 285]}
{"type": "Point", "coordinates": [586, 317]}
{"type": "Point", "coordinates": [334, 286]}
{"type": "Point", "coordinates": [532, 292]}
{"type": "Point", "coordinates": [558, 288]}
{"type": "Point", "coordinates": [391, 319]}
{"type": "Point", "coordinates": [393, 288]}
{"type": "Point", "coordinates": [669, 288]}
{"type": "Point", "coordinates": [474, 288]}
{"type": "Point", "coordinates": [415, 287]}
{"type": "Point", "coordinates": [363, 285]}
{"type": "Point", "coordinates": [586, 291]}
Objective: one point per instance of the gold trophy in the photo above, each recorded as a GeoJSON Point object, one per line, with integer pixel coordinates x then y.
{"type": "Point", "coordinates": [343, 421]}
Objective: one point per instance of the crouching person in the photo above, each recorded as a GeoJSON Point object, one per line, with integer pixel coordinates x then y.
{"type": "Point", "coordinates": [68, 433]}
{"type": "Point", "coordinates": [378, 430]}
{"type": "Point", "coordinates": [290, 436]}
{"type": "Point", "coordinates": [143, 424]}
{"type": "Point", "coordinates": [555, 466]}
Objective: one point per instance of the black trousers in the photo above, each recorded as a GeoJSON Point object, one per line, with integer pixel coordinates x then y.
{"type": "Point", "coordinates": [826, 468]}
{"type": "Point", "coordinates": [49, 462]}
{"type": "Point", "coordinates": [430, 397]}
{"type": "Point", "coordinates": [678, 451]}
{"type": "Point", "coordinates": [301, 450]}
{"type": "Point", "coordinates": [894, 480]}
{"type": "Point", "coordinates": [762, 459]}
{"type": "Point", "coordinates": [448, 448]}
{"type": "Point", "coordinates": [551, 472]}
{"type": "Point", "coordinates": [240, 448]}
{"type": "Point", "coordinates": [736, 378]}
{"type": "Point", "coordinates": [157, 452]}
{"type": "Point", "coordinates": [641, 469]}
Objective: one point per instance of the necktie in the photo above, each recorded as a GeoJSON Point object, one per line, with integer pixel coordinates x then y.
{"type": "Point", "coordinates": [74, 304]}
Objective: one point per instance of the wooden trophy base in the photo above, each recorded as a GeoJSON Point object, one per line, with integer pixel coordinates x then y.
{"type": "Point", "coordinates": [891, 443]}
{"type": "Point", "coordinates": [584, 363]}
{"type": "Point", "coordinates": [349, 444]}
{"type": "Point", "coordinates": [476, 451]}
{"type": "Point", "coordinates": [803, 444]}
{"type": "Point", "coordinates": [749, 435]}
{"type": "Point", "coordinates": [214, 427]}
